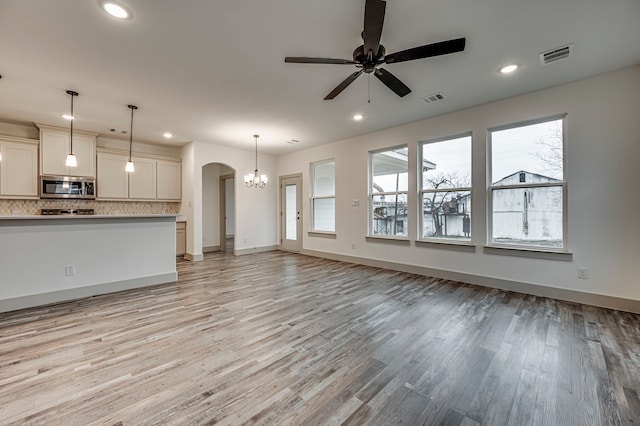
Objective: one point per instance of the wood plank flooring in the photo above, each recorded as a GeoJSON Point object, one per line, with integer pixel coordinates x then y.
{"type": "Point", "coordinates": [277, 338]}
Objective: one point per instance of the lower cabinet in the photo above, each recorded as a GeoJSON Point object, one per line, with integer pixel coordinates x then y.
{"type": "Point", "coordinates": [181, 238]}
{"type": "Point", "coordinates": [18, 167]}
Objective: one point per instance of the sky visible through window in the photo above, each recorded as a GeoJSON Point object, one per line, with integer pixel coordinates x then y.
{"type": "Point", "coordinates": [536, 148]}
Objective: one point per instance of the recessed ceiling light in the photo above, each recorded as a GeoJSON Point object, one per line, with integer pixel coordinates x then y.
{"type": "Point", "coordinates": [358, 117]}
{"type": "Point", "coordinates": [508, 69]}
{"type": "Point", "coordinates": [67, 117]}
{"type": "Point", "coordinates": [115, 10]}
{"type": "Point", "coordinates": [167, 135]}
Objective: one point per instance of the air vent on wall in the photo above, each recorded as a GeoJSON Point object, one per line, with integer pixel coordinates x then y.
{"type": "Point", "coordinates": [432, 98]}
{"type": "Point", "coordinates": [557, 54]}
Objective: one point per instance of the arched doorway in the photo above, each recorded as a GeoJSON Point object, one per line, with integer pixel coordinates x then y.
{"type": "Point", "coordinates": [218, 208]}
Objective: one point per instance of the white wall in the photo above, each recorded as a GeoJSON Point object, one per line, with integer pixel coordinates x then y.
{"type": "Point", "coordinates": [603, 178]}
{"type": "Point", "coordinates": [256, 209]}
{"type": "Point", "coordinates": [230, 204]}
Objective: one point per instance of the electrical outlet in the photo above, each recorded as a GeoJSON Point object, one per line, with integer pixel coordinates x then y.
{"type": "Point", "coordinates": [355, 203]}
{"type": "Point", "coordinates": [70, 270]}
{"type": "Point", "coordinates": [583, 273]}
{"type": "Point", "coordinates": [353, 246]}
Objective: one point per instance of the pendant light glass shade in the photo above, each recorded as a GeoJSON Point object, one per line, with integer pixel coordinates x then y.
{"type": "Point", "coordinates": [71, 160]}
{"type": "Point", "coordinates": [255, 179]}
{"type": "Point", "coordinates": [130, 168]}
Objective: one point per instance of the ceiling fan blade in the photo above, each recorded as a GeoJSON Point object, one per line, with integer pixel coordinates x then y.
{"type": "Point", "coordinates": [301, 60]}
{"type": "Point", "coordinates": [373, 21]}
{"type": "Point", "coordinates": [335, 92]}
{"type": "Point", "coordinates": [392, 82]}
{"type": "Point", "coordinates": [426, 51]}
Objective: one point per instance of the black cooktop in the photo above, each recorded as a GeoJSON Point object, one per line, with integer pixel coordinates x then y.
{"type": "Point", "coordinates": [67, 211]}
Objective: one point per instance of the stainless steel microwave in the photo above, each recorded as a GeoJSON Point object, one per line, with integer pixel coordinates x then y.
{"type": "Point", "coordinates": [67, 187]}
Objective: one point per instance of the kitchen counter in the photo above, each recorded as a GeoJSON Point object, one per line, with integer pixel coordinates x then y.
{"type": "Point", "coordinates": [52, 258]}
{"type": "Point", "coordinates": [88, 216]}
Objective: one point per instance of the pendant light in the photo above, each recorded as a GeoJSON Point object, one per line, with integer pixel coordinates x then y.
{"type": "Point", "coordinates": [129, 167]}
{"type": "Point", "coordinates": [71, 161]}
{"type": "Point", "coordinates": [255, 179]}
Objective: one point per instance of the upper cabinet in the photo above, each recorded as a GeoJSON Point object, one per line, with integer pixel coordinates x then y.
{"type": "Point", "coordinates": [169, 180]}
{"type": "Point", "coordinates": [154, 179]}
{"type": "Point", "coordinates": [18, 167]}
{"type": "Point", "coordinates": [55, 144]}
{"type": "Point", "coordinates": [142, 182]}
{"type": "Point", "coordinates": [112, 181]}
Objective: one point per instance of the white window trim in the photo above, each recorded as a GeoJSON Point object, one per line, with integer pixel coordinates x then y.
{"type": "Point", "coordinates": [312, 197]}
{"type": "Point", "coordinates": [495, 248]}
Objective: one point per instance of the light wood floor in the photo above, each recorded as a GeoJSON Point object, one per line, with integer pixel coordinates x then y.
{"type": "Point", "coordinates": [278, 338]}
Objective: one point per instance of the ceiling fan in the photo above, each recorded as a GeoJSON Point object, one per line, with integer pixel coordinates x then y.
{"type": "Point", "coordinates": [371, 54]}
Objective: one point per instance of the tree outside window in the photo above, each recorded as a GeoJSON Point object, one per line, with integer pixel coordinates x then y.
{"type": "Point", "coordinates": [446, 188]}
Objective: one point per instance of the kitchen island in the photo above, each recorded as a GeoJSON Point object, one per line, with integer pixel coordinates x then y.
{"type": "Point", "coordinates": [49, 259]}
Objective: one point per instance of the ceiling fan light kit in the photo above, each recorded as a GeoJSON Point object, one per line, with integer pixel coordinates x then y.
{"type": "Point", "coordinates": [371, 54]}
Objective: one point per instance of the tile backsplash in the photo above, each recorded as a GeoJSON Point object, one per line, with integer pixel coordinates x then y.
{"type": "Point", "coordinates": [33, 207]}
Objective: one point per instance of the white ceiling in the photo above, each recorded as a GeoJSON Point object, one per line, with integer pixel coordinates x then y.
{"type": "Point", "coordinates": [213, 71]}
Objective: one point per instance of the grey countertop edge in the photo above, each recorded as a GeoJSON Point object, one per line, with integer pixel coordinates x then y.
{"type": "Point", "coordinates": [89, 216]}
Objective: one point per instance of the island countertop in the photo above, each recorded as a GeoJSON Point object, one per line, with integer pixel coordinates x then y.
{"type": "Point", "coordinates": [87, 216]}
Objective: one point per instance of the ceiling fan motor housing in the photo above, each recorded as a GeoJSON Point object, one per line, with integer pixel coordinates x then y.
{"type": "Point", "coordinates": [362, 58]}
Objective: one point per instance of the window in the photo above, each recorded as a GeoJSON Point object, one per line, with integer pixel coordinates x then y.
{"type": "Point", "coordinates": [446, 188]}
{"type": "Point", "coordinates": [528, 186]}
{"type": "Point", "coordinates": [323, 196]}
{"type": "Point", "coordinates": [388, 192]}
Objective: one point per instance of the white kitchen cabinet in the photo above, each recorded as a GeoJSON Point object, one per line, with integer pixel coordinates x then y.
{"type": "Point", "coordinates": [169, 180]}
{"type": "Point", "coordinates": [55, 144]}
{"type": "Point", "coordinates": [142, 182]}
{"type": "Point", "coordinates": [112, 181]}
{"type": "Point", "coordinates": [18, 167]}
{"type": "Point", "coordinates": [154, 179]}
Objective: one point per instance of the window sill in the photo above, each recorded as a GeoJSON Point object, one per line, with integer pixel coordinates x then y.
{"type": "Point", "coordinates": [467, 246]}
{"type": "Point", "coordinates": [405, 241]}
{"type": "Point", "coordinates": [323, 234]}
{"type": "Point", "coordinates": [534, 253]}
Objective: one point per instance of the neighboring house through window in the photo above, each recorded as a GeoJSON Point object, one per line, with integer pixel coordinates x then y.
{"type": "Point", "coordinates": [528, 189]}
{"type": "Point", "coordinates": [323, 198]}
{"type": "Point", "coordinates": [388, 191]}
{"type": "Point", "coordinates": [445, 190]}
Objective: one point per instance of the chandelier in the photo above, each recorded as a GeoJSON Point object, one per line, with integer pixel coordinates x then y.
{"type": "Point", "coordinates": [255, 179]}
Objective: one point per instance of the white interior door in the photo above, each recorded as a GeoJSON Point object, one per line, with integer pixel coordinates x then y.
{"type": "Point", "coordinates": [291, 213]}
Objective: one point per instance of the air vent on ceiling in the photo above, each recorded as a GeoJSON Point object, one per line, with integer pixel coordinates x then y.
{"type": "Point", "coordinates": [432, 98]}
{"type": "Point", "coordinates": [557, 54]}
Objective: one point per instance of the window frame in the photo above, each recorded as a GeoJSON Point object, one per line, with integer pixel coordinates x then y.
{"type": "Point", "coordinates": [313, 197]}
{"type": "Point", "coordinates": [562, 184]}
{"type": "Point", "coordinates": [372, 193]}
{"type": "Point", "coordinates": [422, 191]}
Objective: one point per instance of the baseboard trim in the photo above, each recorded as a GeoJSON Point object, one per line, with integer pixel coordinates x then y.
{"type": "Point", "coordinates": [252, 250]}
{"type": "Point", "coordinates": [210, 249]}
{"type": "Point", "coordinates": [30, 301]}
{"type": "Point", "coordinates": [194, 257]}
{"type": "Point", "coordinates": [594, 299]}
